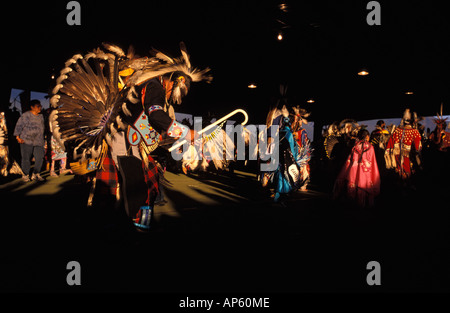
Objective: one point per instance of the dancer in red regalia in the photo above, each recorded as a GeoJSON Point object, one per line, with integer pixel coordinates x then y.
{"type": "Point", "coordinates": [405, 141]}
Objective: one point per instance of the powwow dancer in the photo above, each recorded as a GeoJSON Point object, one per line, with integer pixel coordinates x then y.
{"type": "Point", "coordinates": [339, 141]}
{"type": "Point", "coordinates": [359, 178]}
{"type": "Point", "coordinates": [379, 138]}
{"type": "Point", "coordinates": [285, 177]}
{"type": "Point", "coordinates": [438, 152]}
{"type": "Point", "coordinates": [439, 137]}
{"type": "Point", "coordinates": [111, 108]}
{"type": "Point", "coordinates": [58, 152]}
{"type": "Point", "coordinates": [7, 166]}
{"type": "Point", "coordinates": [304, 145]}
{"type": "Point", "coordinates": [404, 141]}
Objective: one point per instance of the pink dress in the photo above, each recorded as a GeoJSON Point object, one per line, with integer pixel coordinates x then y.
{"type": "Point", "coordinates": [359, 179]}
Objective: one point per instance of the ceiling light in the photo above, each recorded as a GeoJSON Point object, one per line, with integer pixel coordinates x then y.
{"type": "Point", "coordinates": [310, 101]}
{"type": "Point", "coordinates": [409, 93]}
{"type": "Point", "coordinates": [283, 7]}
{"type": "Point", "coordinates": [363, 73]}
{"type": "Point", "coordinates": [280, 36]}
{"type": "Point", "coordinates": [252, 86]}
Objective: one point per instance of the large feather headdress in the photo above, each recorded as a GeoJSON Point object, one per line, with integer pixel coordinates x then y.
{"type": "Point", "coordinates": [410, 118]}
{"type": "Point", "coordinates": [301, 116]}
{"type": "Point", "coordinates": [349, 125]}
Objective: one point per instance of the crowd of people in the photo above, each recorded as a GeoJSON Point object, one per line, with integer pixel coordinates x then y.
{"type": "Point", "coordinates": [359, 161]}
{"type": "Point", "coordinates": [38, 148]}
{"type": "Point", "coordinates": [112, 115]}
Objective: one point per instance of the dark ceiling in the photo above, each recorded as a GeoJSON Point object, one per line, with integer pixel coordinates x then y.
{"type": "Point", "coordinates": [325, 44]}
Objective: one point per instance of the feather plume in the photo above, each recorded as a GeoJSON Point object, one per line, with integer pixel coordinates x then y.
{"type": "Point", "coordinates": [54, 101]}
{"type": "Point", "coordinates": [57, 88]}
{"type": "Point", "coordinates": [65, 71]}
{"type": "Point", "coordinates": [185, 54]}
{"type": "Point", "coordinates": [114, 49]}
{"type": "Point", "coordinates": [120, 123]}
{"type": "Point", "coordinates": [161, 56]}
{"type": "Point", "coordinates": [73, 60]}
{"type": "Point", "coordinates": [61, 78]}
{"type": "Point", "coordinates": [284, 111]}
{"type": "Point", "coordinates": [131, 53]}
{"type": "Point", "coordinates": [125, 109]}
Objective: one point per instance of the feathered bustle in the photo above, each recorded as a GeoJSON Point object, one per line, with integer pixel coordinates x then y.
{"type": "Point", "coordinates": [89, 100]}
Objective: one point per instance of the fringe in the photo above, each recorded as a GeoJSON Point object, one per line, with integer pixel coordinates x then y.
{"type": "Point", "coordinates": [103, 153]}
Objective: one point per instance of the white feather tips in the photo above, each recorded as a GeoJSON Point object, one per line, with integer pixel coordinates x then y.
{"type": "Point", "coordinates": [61, 78]}
{"type": "Point", "coordinates": [185, 54]}
{"type": "Point", "coordinates": [133, 97]}
{"type": "Point", "coordinates": [66, 70]}
{"type": "Point", "coordinates": [73, 60]}
{"type": "Point", "coordinates": [57, 88]}
{"type": "Point", "coordinates": [114, 49]}
{"type": "Point", "coordinates": [163, 57]}
{"type": "Point", "coordinates": [54, 101]}
{"type": "Point", "coordinates": [121, 123]}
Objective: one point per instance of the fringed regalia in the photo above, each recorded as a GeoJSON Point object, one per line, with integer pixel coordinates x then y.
{"type": "Point", "coordinates": [113, 109]}
{"type": "Point", "coordinates": [379, 138]}
{"type": "Point", "coordinates": [338, 142]}
{"type": "Point", "coordinates": [304, 144]}
{"type": "Point", "coordinates": [287, 175]}
{"type": "Point", "coordinates": [439, 137]}
{"type": "Point", "coordinates": [359, 179]}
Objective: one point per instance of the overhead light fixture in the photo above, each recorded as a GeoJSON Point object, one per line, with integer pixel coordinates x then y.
{"type": "Point", "coordinates": [363, 73]}
{"type": "Point", "coordinates": [283, 7]}
{"type": "Point", "coordinates": [280, 36]}
{"type": "Point", "coordinates": [409, 93]}
{"type": "Point", "coordinates": [252, 86]}
{"type": "Point", "coordinates": [310, 101]}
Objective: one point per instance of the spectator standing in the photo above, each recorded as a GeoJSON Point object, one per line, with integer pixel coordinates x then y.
{"type": "Point", "coordinates": [29, 133]}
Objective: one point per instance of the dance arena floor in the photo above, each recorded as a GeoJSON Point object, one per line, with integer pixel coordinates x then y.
{"type": "Point", "coordinates": [222, 233]}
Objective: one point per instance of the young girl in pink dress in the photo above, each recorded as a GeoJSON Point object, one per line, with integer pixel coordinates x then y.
{"type": "Point", "coordinates": [359, 179]}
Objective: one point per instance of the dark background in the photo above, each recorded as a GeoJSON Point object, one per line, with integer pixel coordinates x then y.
{"type": "Point", "coordinates": [325, 44]}
{"type": "Point", "coordinates": [314, 244]}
